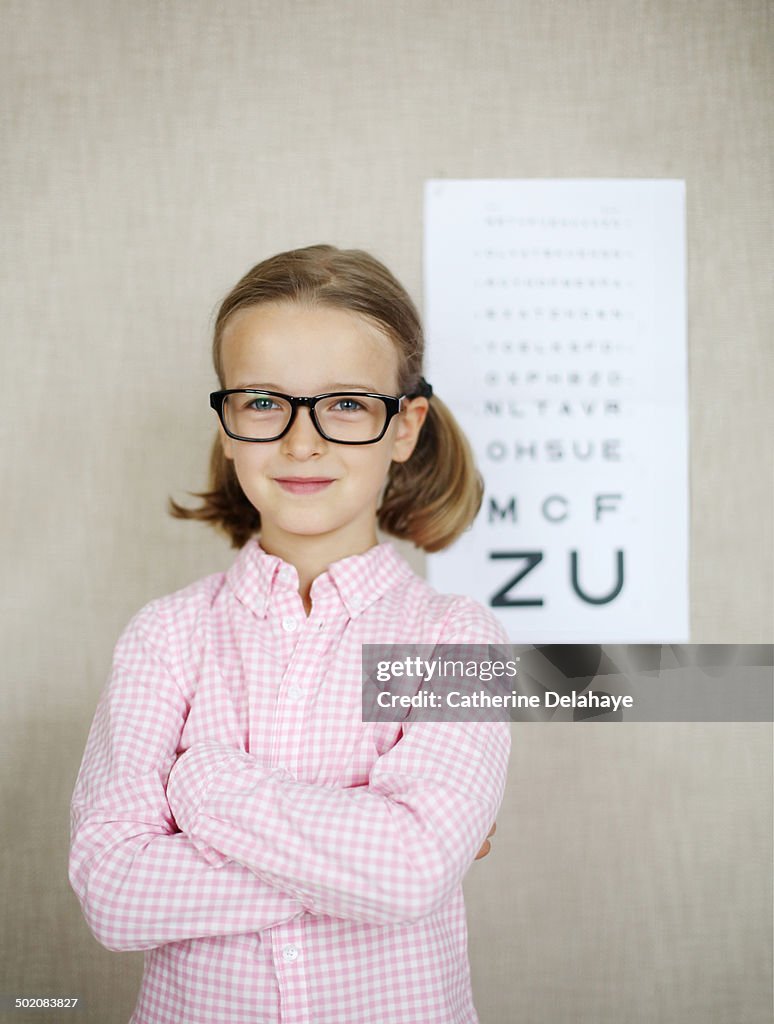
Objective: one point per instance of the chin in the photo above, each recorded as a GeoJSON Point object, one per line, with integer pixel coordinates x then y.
{"type": "Point", "coordinates": [307, 527]}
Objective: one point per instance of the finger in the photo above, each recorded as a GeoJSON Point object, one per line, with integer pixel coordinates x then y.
{"type": "Point", "coordinates": [484, 850]}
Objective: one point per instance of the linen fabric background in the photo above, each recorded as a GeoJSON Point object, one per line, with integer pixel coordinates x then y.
{"type": "Point", "coordinates": [151, 153]}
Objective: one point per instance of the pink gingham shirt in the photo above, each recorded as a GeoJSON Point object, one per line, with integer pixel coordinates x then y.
{"type": "Point", "coordinates": [277, 858]}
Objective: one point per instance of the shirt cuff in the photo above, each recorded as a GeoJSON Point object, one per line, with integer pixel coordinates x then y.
{"type": "Point", "coordinates": [187, 786]}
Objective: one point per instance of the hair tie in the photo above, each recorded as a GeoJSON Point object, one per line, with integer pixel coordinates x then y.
{"type": "Point", "coordinates": [423, 389]}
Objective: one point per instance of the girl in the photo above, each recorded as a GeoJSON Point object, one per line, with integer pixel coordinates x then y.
{"type": "Point", "coordinates": [276, 857]}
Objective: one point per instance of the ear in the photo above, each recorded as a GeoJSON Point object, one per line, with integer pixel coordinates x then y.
{"type": "Point", "coordinates": [409, 424]}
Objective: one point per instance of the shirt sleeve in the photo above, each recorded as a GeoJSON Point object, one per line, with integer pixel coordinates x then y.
{"type": "Point", "coordinates": [389, 852]}
{"type": "Point", "coordinates": [140, 881]}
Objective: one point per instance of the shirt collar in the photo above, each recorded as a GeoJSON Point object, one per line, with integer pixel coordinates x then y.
{"type": "Point", "coordinates": [358, 579]}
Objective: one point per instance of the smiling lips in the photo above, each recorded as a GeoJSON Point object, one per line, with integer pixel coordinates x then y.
{"type": "Point", "coordinates": [303, 484]}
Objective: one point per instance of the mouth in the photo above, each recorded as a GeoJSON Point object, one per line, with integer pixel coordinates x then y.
{"type": "Point", "coordinates": [303, 484]}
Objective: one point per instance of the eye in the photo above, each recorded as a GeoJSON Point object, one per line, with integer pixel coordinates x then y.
{"type": "Point", "coordinates": [262, 403]}
{"type": "Point", "coordinates": [347, 404]}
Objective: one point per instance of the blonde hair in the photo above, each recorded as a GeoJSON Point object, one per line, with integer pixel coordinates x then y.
{"type": "Point", "coordinates": [429, 499]}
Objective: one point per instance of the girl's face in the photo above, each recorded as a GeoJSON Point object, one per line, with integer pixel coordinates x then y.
{"type": "Point", "coordinates": [282, 346]}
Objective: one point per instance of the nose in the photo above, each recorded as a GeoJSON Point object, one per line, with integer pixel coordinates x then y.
{"type": "Point", "coordinates": [302, 441]}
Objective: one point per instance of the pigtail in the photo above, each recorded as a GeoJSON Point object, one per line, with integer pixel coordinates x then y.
{"type": "Point", "coordinates": [225, 505]}
{"type": "Point", "coordinates": [435, 495]}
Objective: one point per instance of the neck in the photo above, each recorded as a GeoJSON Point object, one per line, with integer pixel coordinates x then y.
{"type": "Point", "coordinates": [311, 556]}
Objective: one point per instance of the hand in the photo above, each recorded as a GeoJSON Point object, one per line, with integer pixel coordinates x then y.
{"type": "Point", "coordinates": [487, 845]}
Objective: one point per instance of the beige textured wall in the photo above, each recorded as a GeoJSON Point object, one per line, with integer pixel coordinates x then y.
{"type": "Point", "coordinates": [153, 151]}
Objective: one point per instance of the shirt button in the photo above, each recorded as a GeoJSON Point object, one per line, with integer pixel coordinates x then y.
{"type": "Point", "coordinates": [286, 574]}
{"type": "Point", "coordinates": [356, 601]}
{"type": "Point", "coordinates": [289, 953]}
{"type": "Point", "coordinates": [294, 693]}
{"type": "Point", "coordinates": [289, 624]}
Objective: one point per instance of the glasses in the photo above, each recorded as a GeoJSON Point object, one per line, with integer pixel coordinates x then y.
{"type": "Point", "coordinates": [345, 417]}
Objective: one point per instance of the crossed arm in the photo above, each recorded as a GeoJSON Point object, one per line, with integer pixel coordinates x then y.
{"type": "Point", "coordinates": [212, 842]}
{"type": "Point", "coordinates": [389, 852]}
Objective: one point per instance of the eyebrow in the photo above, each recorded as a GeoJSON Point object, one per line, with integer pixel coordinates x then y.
{"type": "Point", "coordinates": [269, 386]}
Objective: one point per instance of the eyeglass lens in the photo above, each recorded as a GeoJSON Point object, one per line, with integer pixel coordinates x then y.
{"type": "Point", "coordinates": [350, 417]}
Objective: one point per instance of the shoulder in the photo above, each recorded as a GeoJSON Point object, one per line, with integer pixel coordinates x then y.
{"type": "Point", "coordinates": [465, 620]}
{"type": "Point", "coordinates": [469, 621]}
{"type": "Point", "coordinates": [450, 618]}
{"type": "Point", "coordinates": [166, 624]}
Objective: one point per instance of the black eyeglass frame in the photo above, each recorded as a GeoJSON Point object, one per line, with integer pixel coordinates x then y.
{"type": "Point", "coordinates": [392, 405]}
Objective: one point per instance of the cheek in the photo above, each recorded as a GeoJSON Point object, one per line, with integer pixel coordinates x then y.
{"type": "Point", "coordinates": [375, 469]}
{"type": "Point", "coordinates": [249, 460]}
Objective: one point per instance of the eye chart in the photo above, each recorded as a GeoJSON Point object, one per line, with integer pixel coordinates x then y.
{"type": "Point", "coordinates": [555, 319]}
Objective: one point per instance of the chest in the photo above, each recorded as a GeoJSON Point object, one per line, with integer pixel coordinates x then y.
{"type": "Point", "coordinates": [287, 688]}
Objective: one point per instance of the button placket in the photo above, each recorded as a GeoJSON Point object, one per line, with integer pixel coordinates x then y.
{"type": "Point", "coordinates": [309, 644]}
{"type": "Point", "coordinates": [292, 624]}
{"type": "Point", "coordinates": [289, 953]}
{"type": "Point", "coordinates": [289, 627]}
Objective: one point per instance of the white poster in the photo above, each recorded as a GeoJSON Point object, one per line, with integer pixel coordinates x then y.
{"type": "Point", "coordinates": [555, 318]}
